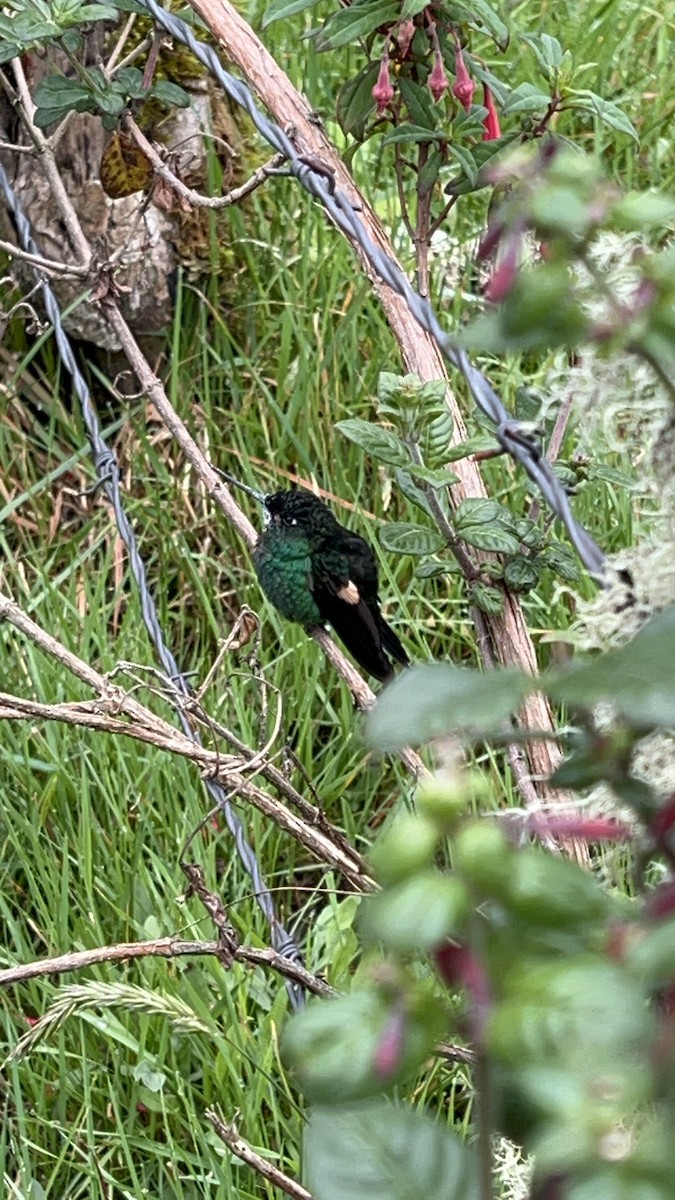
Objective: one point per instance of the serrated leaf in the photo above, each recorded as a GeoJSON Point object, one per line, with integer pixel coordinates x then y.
{"type": "Point", "coordinates": [375, 440]}
{"type": "Point", "coordinates": [520, 574]}
{"type": "Point", "coordinates": [436, 477]}
{"type": "Point", "coordinates": [278, 10]}
{"type": "Point", "coordinates": [402, 537]}
{"type": "Point", "coordinates": [559, 558]}
{"type": "Point", "coordinates": [355, 101]}
{"type": "Point", "coordinates": [609, 113]}
{"type": "Point", "coordinates": [429, 172]}
{"type": "Point", "coordinates": [639, 678]}
{"type": "Point", "coordinates": [526, 98]}
{"type": "Point", "coordinates": [414, 492]}
{"type": "Point", "coordinates": [494, 538]}
{"type": "Point", "coordinates": [475, 445]}
{"type": "Point", "coordinates": [8, 51]}
{"type": "Point", "coordinates": [124, 168]}
{"type": "Point", "coordinates": [488, 599]}
{"type": "Point", "coordinates": [57, 91]}
{"type": "Point", "coordinates": [357, 21]}
{"type": "Point", "coordinates": [483, 512]}
{"type": "Point", "coordinates": [395, 1154]}
{"type": "Point", "coordinates": [434, 570]}
{"type": "Point", "coordinates": [429, 701]}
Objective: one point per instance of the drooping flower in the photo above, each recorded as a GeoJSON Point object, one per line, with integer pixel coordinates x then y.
{"type": "Point", "coordinates": [438, 80]}
{"type": "Point", "coordinates": [464, 86]}
{"type": "Point", "coordinates": [383, 92]}
{"type": "Point", "coordinates": [491, 127]}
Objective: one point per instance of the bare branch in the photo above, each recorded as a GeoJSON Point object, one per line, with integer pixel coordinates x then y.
{"type": "Point", "coordinates": [229, 1135]}
{"type": "Point", "coordinates": [170, 947]}
{"type": "Point", "coordinates": [44, 264]}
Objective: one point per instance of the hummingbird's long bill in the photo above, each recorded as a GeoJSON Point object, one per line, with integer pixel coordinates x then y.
{"type": "Point", "coordinates": [259, 496]}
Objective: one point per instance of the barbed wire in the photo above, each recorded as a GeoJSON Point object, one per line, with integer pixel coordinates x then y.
{"type": "Point", "coordinates": [513, 437]}
{"type": "Point", "coordinates": [107, 470]}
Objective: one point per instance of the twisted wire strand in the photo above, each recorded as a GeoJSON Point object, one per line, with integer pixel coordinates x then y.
{"type": "Point", "coordinates": [511, 435]}
{"type": "Point", "coordinates": [107, 470]}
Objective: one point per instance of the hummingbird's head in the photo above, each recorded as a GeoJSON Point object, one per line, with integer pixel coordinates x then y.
{"type": "Point", "coordinates": [291, 510]}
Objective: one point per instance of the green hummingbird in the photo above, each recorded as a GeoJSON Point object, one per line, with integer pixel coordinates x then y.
{"type": "Point", "coordinates": [313, 571]}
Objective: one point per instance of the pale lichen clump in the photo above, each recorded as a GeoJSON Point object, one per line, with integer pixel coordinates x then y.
{"type": "Point", "coordinates": [512, 1170]}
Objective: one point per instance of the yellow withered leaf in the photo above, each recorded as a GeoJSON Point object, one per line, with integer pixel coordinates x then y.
{"type": "Point", "coordinates": [124, 168]}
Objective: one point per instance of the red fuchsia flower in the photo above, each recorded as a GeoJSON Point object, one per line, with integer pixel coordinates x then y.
{"type": "Point", "coordinates": [383, 92]}
{"type": "Point", "coordinates": [438, 80]}
{"type": "Point", "coordinates": [464, 87]}
{"type": "Point", "coordinates": [404, 36]}
{"type": "Point", "coordinates": [491, 129]}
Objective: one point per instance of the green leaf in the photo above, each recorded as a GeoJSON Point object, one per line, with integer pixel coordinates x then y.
{"type": "Point", "coordinates": [417, 100]}
{"type": "Point", "coordinates": [413, 133]}
{"type": "Point", "coordinates": [278, 10]}
{"type": "Point", "coordinates": [482, 154]}
{"type": "Point", "coordinates": [97, 12]}
{"type": "Point", "coordinates": [432, 570]}
{"type": "Point", "coordinates": [402, 537]}
{"type": "Point", "coordinates": [428, 701]}
{"type": "Point", "coordinates": [58, 92]}
{"type": "Point", "coordinates": [526, 98]}
{"type": "Point", "coordinates": [547, 50]}
{"type": "Point", "coordinates": [332, 1046]}
{"type": "Point", "coordinates": [466, 161]}
{"type": "Point", "coordinates": [385, 1152]}
{"type": "Point", "coordinates": [375, 440]}
{"type": "Point", "coordinates": [480, 444]}
{"type": "Point", "coordinates": [357, 21]}
{"type": "Point", "coordinates": [644, 210]}
{"type": "Point", "coordinates": [639, 678]}
{"type": "Point", "coordinates": [436, 477]}
{"type": "Point", "coordinates": [480, 14]}
{"type": "Point", "coordinates": [415, 493]}
{"type": "Point", "coordinates": [416, 915]}
{"type": "Point", "coordinates": [489, 600]}
{"type": "Point", "coordinates": [355, 101]}
{"type": "Point", "coordinates": [520, 574]}
{"type": "Point", "coordinates": [410, 8]}
{"type": "Point", "coordinates": [561, 559]}
{"type": "Point", "coordinates": [8, 51]}
{"type": "Point", "coordinates": [170, 93]}
{"type": "Point", "coordinates": [609, 113]}
{"type": "Point", "coordinates": [483, 512]}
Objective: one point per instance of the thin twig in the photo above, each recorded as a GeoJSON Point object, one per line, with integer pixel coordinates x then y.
{"type": "Point", "coordinates": [229, 1135]}
{"type": "Point", "coordinates": [44, 264]}
{"type": "Point", "coordinates": [196, 199]}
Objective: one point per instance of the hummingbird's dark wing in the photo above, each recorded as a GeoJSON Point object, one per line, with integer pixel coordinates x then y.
{"type": "Point", "coordinates": [345, 592]}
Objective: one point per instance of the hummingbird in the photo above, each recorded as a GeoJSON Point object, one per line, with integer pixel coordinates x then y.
{"type": "Point", "coordinates": [313, 570]}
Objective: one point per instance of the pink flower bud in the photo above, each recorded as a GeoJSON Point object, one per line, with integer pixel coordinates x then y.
{"type": "Point", "coordinates": [383, 92]}
{"type": "Point", "coordinates": [491, 129]}
{"type": "Point", "coordinates": [438, 81]}
{"type": "Point", "coordinates": [464, 87]}
{"type": "Point", "coordinates": [505, 274]}
{"type": "Point", "coordinates": [404, 36]}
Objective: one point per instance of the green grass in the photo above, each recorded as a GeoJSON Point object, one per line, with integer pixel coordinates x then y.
{"type": "Point", "coordinates": [110, 1103]}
